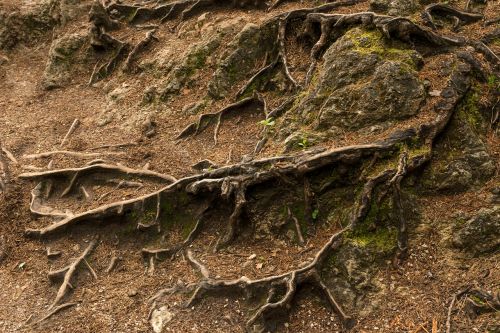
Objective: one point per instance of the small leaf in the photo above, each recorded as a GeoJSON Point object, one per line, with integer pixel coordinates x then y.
{"type": "Point", "coordinates": [315, 214]}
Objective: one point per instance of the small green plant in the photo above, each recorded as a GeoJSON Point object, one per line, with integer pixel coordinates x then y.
{"type": "Point", "coordinates": [493, 82]}
{"type": "Point", "coordinates": [304, 143]}
{"type": "Point", "coordinates": [268, 122]}
{"type": "Point", "coordinates": [315, 214]}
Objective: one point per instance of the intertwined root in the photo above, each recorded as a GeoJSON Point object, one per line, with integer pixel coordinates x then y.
{"type": "Point", "coordinates": [231, 183]}
{"type": "Point", "coordinates": [441, 10]}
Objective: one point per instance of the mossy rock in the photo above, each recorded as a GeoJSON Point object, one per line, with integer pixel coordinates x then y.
{"type": "Point", "coordinates": [246, 50]}
{"type": "Point", "coordinates": [63, 56]}
{"type": "Point", "coordinates": [365, 80]}
{"type": "Point", "coordinates": [463, 160]}
{"type": "Point", "coordinates": [480, 234]}
{"type": "Point", "coordinates": [27, 24]}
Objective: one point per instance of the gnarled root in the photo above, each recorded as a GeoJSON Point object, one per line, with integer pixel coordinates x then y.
{"type": "Point", "coordinates": [209, 118]}
{"type": "Point", "coordinates": [141, 46]}
{"type": "Point", "coordinates": [443, 10]}
{"type": "Point", "coordinates": [66, 274]}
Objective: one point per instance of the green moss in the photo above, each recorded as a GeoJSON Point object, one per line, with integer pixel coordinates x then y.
{"type": "Point", "coordinates": [382, 239]}
{"type": "Point", "coordinates": [469, 109]}
{"type": "Point", "coordinates": [373, 42]}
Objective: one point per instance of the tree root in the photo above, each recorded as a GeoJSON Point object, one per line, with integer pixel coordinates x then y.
{"type": "Point", "coordinates": [9, 155]}
{"type": "Point", "coordinates": [112, 264]}
{"type": "Point", "coordinates": [143, 44]}
{"type": "Point", "coordinates": [288, 281]}
{"type": "Point", "coordinates": [396, 186]}
{"type": "Point", "coordinates": [4, 174]}
{"type": "Point", "coordinates": [296, 223]}
{"type": "Point", "coordinates": [102, 71]}
{"type": "Point", "coordinates": [71, 130]}
{"type": "Point", "coordinates": [3, 248]}
{"type": "Point", "coordinates": [209, 118]}
{"type": "Point", "coordinates": [66, 274]}
{"type": "Point", "coordinates": [442, 10]}
{"type": "Point", "coordinates": [232, 182]}
{"type": "Point", "coordinates": [54, 311]}
{"type": "Point", "coordinates": [69, 153]}
{"type": "Point", "coordinates": [171, 252]}
{"type": "Point", "coordinates": [119, 169]}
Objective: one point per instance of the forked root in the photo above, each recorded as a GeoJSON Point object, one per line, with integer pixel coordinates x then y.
{"type": "Point", "coordinates": [215, 118]}
{"type": "Point", "coordinates": [67, 273]}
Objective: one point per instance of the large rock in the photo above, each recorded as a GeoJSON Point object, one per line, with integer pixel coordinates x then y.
{"type": "Point", "coordinates": [481, 233]}
{"type": "Point", "coordinates": [462, 159]}
{"type": "Point", "coordinates": [28, 22]}
{"type": "Point", "coordinates": [62, 58]}
{"type": "Point", "coordinates": [394, 7]}
{"type": "Point", "coordinates": [364, 81]}
{"type": "Point", "coordinates": [242, 55]}
{"type": "Point", "coordinates": [180, 70]}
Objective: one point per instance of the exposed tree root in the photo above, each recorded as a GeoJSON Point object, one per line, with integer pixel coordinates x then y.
{"type": "Point", "coordinates": [54, 311]}
{"type": "Point", "coordinates": [296, 223]}
{"type": "Point", "coordinates": [9, 155]}
{"type": "Point", "coordinates": [171, 252]}
{"type": "Point", "coordinates": [396, 185]}
{"type": "Point", "coordinates": [442, 10]}
{"type": "Point", "coordinates": [141, 46]}
{"type": "Point", "coordinates": [209, 118]}
{"type": "Point", "coordinates": [112, 264]}
{"type": "Point", "coordinates": [66, 274]}
{"type": "Point", "coordinates": [232, 183]}
{"type": "Point", "coordinates": [4, 173]}
{"type": "Point", "coordinates": [3, 248]}
{"type": "Point", "coordinates": [71, 130]}
{"type": "Point", "coordinates": [69, 153]}
{"type": "Point", "coordinates": [103, 70]}
{"type": "Point", "coordinates": [101, 40]}
{"type": "Point", "coordinates": [118, 169]}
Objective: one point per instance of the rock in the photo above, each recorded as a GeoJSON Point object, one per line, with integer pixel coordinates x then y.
{"type": "Point", "coordinates": [159, 318]}
{"type": "Point", "coordinates": [464, 161]}
{"type": "Point", "coordinates": [32, 20]}
{"type": "Point", "coordinates": [204, 165]}
{"type": "Point", "coordinates": [364, 81]}
{"type": "Point", "coordinates": [394, 7]}
{"type": "Point", "coordinates": [194, 59]}
{"type": "Point", "coordinates": [481, 233]}
{"type": "Point", "coordinates": [132, 293]}
{"type": "Point", "coordinates": [243, 54]}
{"type": "Point", "coordinates": [62, 58]}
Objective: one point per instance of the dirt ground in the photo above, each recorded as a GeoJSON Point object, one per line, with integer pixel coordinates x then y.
{"type": "Point", "coordinates": [416, 294]}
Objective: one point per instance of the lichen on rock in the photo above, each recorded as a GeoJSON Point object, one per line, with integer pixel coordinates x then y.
{"type": "Point", "coordinates": [62, 57]}
{"type": "Point", "coordinates": [481, 233]}
{"type": "Point", "coordinates": [363, 81]}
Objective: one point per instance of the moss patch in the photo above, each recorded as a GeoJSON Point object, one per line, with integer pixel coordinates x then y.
{"type": "Point", "coordinates": [382, 239]}
{"type": "Point", "coordinates": [373, 42]}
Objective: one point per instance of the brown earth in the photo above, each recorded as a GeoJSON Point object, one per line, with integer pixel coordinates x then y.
{"type": "Point", "coordinates": [413, 296]}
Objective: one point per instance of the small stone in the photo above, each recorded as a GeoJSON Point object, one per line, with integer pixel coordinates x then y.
{"type": "Point", "coordinates": [132, 293]}
{"type": "Point", "coordinates": [159, 318]}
